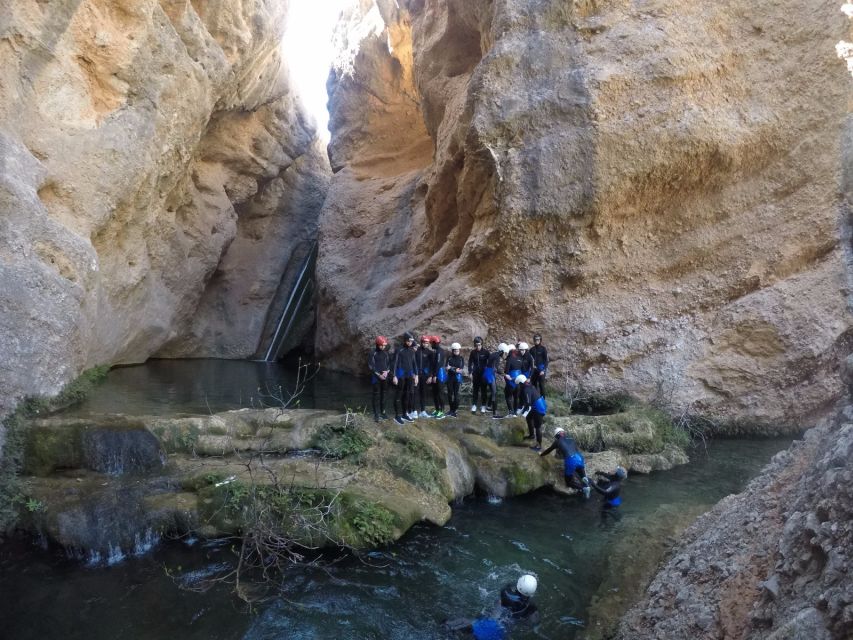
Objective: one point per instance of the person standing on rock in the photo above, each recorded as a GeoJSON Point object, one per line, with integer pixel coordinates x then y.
{"type": "Point", "coordinates": [405, 380]}
{"type": "Point", "coordinates": [609, 485]}
{"type": "Point", "coordinates": [439, 373]}
{"type": "Point", "coordinates": [455, 369]}
{"type": "Point", "coordinates": [477, 361]}
{"type": "Point", "coordinates": [512, 369]}
{"type": "Point", "coordinates": [533, 408]}
{"type": "Point", "coordinates": [528, 365]}
{"type": "Point", "coordinates": [423, 363]}
{"type": "Point", "coordinates": [380, 367]}
{"type": "Point", "coordinates": [494, 369]}
{"type": "Point", "coordinates": [540, 358]}
{"type": "Point", "coordinates": [574, 472]}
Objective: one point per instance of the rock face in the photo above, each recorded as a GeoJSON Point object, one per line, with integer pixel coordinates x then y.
{"type": "Point", "coordinates": [772, 562]}
{"type": "Point", "coordinates": [157, 177]}
{"type": "Point", "coordinates": [634, 180]}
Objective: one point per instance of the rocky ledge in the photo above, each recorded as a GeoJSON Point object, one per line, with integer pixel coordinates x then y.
{"type": "Point", "coordinates": [110, 485]}
{"type": "Point", "coordinates": [773, 562]}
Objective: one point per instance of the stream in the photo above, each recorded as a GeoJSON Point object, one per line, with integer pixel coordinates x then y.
{"type": "Point", "coordinates": [404, 591]}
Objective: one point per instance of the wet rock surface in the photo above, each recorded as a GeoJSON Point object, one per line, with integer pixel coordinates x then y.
{"type": "Point", "coordinates": [162, 476]}
{"type": "Point", "coordinates": [772, 562]}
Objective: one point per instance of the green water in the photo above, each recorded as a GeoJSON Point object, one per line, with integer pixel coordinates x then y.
{"type": "Point", "coordinates": [161, 387]}
{"type": "Point", "coordinates": [403, 592]}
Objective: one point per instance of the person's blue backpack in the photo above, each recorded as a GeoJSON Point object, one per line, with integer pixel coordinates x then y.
{"type": "Point", "coordinates": [489, 375]}
{"type": "Point", "coordinates": [540, 406]}
{"type": "Point", "coordinates": [512, 376]}
{"type": "Point", "coordinates": [488, 629]}
{"type": "Point", "coordinates": [442, 375]}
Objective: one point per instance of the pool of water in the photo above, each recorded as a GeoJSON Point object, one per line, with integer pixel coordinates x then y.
{"type": "Point", "coordinates": [402, 592]}
{"type": "Point", "coordinates": [161, 387]}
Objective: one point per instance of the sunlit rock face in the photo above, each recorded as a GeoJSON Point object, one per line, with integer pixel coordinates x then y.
{"type": "Point", "coordinates": [156, 173]}
{"type": "Point", "coordinates": [652, 185]}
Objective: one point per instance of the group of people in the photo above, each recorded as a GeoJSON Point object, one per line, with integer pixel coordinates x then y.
{"type": "Point", "coordinates": [416, 371]}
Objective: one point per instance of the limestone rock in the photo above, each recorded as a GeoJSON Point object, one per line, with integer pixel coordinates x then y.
{"type": "Point", "coordinates": [633, 180]}
{"type": "Point", "coordinates": [157, 178]}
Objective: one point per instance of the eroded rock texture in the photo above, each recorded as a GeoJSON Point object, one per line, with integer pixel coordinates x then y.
{"type": "Point", "coordinates": [773, 562]}
{"type": "Point", "coordinates": [156, 175]}
{"type": "Point", "coordinates": [652, 185]}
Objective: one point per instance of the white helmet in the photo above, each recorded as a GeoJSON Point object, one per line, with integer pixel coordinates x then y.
{"type": "Point", "coordinates": [520, 378]}
{"type": "Point", "coordinates": [558, 431]}
{"type": "Point", "coordinates": [455, 346]}
{"type": "Point", "coordinates": [523, 346]}
{"type": "Point", "coordinates": [526, 585]}
{"type": "Point", "coordinates": [503, 346]}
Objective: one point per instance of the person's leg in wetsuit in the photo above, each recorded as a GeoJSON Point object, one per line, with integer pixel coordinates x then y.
{"type": "Point", "coordinates": [534, 427]}
{"type": "Point", "coordinates": [453, 393]}
{"type": "Point", "coordinates": [379, 388]}
{"type": "Point", "coordinates": [438, 396]}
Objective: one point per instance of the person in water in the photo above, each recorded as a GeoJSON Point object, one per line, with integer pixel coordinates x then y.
{"type": "Point", "coordinates": [540, 357]}
{"type": "Point", "coordinates": [609, 485]}
{"type": "Point", "coordinates": [494, 369]}
{"type": "Point", "coordinates": [439, 376]}
{"type": "Point", "coordinates": [380, 367]}
{"type": "Point", "coordinates": [533, 408]}
{"type": "Point", "coordinates": [516, 604]}
{"type": "Point", "coordinates": [455, 369]}
{"type": "Point", "coordinates": [512, 369]}
{"type": "Point", "coordinates": [574, 472]}
{"type": "Point", "coordinates": [477, 361]}
{"type": "Point", "coordinates": [405, 379]}
{"type": "Point", "coordinates": [423, 365]}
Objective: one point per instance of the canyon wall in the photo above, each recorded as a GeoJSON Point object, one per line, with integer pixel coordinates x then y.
{"type": "Point", "coordinates": [654, 186]}
{"type": "Point", "coordinates": [157, 177]}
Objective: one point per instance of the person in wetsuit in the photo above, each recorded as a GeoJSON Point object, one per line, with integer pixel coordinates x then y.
{"type": "Point", "coordinates": [533, 408]}
{"type": "Point", "coordinates": [512, 369]}
{"type": "Point", "coordinates": [540, 357]}
{"type": "Point", "coordinates": [423, 364]}
{"type": "Point", "coordinates": [516, 604]}
{"type": "Point", "coordinates": [528, 365]}
{"type": "Point", "coordinates": [494, 369]}
{"type": "Point", "coordinates": [609, 485]}
{"type": "Point", "coordinates": [439, 373]}
{"type": "Point", "coordinates": [380, 368]}
{"type": "Point", "coordinates": [574, 472]}
{"type": "Point", "coordinates": [405, 379]}
{"type": "Point", "coordinates": [477, 361]}
{"type": "Point", "coordinates": [455, 369]}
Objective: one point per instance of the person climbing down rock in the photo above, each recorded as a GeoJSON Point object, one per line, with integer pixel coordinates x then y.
{"type": "Point", "coordinates": [380, 367]}
{"type": "Point", "coordinates": [512, 369]}
{"type": "Point", "coordinates": [439, 376]}
{"type": "Point", "coordinates": [455, 369]}
{"type": "Point", "coordinates": [574, 472]}
{"type": "Point", "coordinates": [405, 379]}
{"type": "Point", "coordinates": [423, 365]}
{"type": "Point", "coordinates": [609, 485]}
{"type": "Point", "coordinates": [540, 358]}
{"type": "Point", "coordinates": [494, 369]}
{"type": "Point", "coordinates": [533, 408]}
{"type": "Point", "coordinates": [477, 360]}
{"type": "Point", "coordinates": [516, 604]}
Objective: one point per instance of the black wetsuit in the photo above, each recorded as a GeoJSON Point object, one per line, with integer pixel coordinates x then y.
{"type": "Point", "coordinates": [494, 363]}
{"type": "Point", "coordinates": [405, 370]}
{"type": "Point", "coordinates": [453, 382]}
{"type": "Point", "coordinates": [573, 464]}
{"type": "Point", "coordinates": [529, 395]}
{"type": "Point", "coordinates": [439, 361]}
{"type": "Point", "coordinates": [423, 364]}
{"type": "Point", "coordinates": [609, 485]}
{"type": "Point", "coordinates": [516, 605]}
{"type": "Point", "coordinates": [512, 367]}
{"type": "Point", "coordinates": [477, 361]}
{"type": "Point", "coordinates": [528, 364]}
{"type": "Point", "coordinates": [379, 363]}
{"type": "Point", "coordinates": [540, 357]}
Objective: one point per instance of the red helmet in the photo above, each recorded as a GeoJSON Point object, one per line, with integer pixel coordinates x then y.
{"type": "Point", "coordinates": [381, 341]}
{"type": "Point", "coordinates": [435, 339]}
{"type": "Point", "coordinates": [425, 338]}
